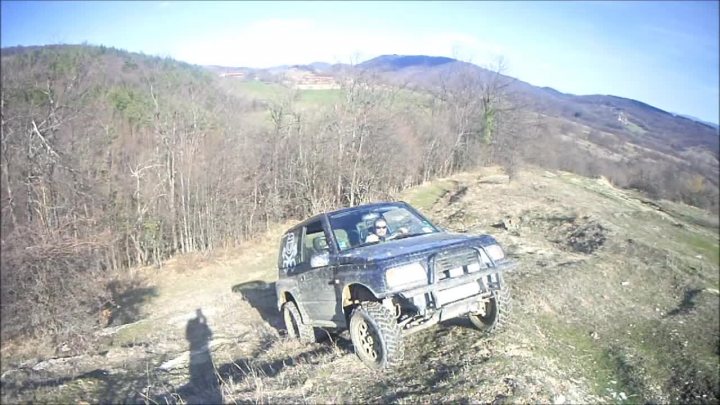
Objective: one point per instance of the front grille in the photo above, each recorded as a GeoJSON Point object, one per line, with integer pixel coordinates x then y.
{"type": "Point", "coordinates": [454, 263]}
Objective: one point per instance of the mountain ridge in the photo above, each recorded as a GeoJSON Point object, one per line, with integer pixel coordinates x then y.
{"type": "Point", "coordinates": [398, 62]}
{"type": "Point", "coordinates": [594, 110]}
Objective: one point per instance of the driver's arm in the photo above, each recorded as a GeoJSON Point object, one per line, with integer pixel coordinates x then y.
{"type": "Point", "coordinates": [372, 238]}
{"type": "Point", "coordinates": [399, 232]}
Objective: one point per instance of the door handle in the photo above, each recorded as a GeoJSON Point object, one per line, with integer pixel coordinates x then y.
{"type": "Point", "coordinates": [334, 282]}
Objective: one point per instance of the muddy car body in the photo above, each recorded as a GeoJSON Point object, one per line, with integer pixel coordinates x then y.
{"type": "Point", "coordinates": [330, 277]}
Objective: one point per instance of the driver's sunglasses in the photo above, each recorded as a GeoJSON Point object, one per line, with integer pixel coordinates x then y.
{"type": "Point", "coordinates": [381, 227]}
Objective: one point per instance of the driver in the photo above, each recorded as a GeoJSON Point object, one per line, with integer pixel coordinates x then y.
{"type": "Point", "coordinates": [380, 231]}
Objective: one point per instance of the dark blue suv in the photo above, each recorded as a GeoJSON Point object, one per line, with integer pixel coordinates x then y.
{"type": "Point", "coordinates": [336, 273]}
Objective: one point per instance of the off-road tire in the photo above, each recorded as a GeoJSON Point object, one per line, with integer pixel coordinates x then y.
{"type": "Point", "coordinates": [376, 336]}
{"type": "Point", "coordinates": [294, 325]}
{"type": "Point", "coordinates": [497, 312]}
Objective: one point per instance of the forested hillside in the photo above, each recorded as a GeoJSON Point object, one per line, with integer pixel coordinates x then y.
{"type": "Point", "coordinates": [113, 160]}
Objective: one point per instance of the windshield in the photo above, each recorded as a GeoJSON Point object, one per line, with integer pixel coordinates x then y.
{"type": "Point", "coordinates": [357, 227]}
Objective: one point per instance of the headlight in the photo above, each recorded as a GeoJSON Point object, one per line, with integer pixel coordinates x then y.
{"type": "Point", "coordinates": [407, 274]}
{"type": "Point", "coordinates": [495, 252]}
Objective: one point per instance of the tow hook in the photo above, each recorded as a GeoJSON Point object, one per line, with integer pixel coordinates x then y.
{"type": "Point", "coordinates": [395, 308]}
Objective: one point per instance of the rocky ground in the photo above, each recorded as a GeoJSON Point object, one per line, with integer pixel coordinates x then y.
{"type": "Point", "coordinates": [615, 300]}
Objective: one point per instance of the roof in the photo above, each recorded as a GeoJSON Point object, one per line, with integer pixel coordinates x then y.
{"type": "Point", "coordinates": [342, 210]}
{"type": "Point", "coordinates": [371, 205]}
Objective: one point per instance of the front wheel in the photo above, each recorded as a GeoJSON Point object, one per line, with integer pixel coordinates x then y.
{"type": "Point", "coordinates": [376, 336]}
{"type": "Point", "coordinates": [294, 325]}
{"type": "Point", "coordinates": [497, 312]}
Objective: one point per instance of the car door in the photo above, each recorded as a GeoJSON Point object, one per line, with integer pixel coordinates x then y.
{"type": "Point", "coordinates": [317, 283]}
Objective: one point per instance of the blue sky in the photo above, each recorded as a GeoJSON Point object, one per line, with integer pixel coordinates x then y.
{"type": "Point", "coordinates": [662, 53]}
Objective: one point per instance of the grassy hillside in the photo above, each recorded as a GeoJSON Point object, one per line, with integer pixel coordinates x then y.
{"type": "Point", "coordinates": [113, 161]}
{"type": "Point", "coordinates": [615, 300]}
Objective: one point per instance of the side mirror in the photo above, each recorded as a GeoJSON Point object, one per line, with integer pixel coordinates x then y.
{"type": "Point", "coordinates": [320, 260]}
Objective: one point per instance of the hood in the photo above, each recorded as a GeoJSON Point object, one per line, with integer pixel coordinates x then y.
{"type": "Point", "coordinates": [412, 246]}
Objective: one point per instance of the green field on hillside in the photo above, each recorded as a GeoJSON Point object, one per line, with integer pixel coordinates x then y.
{"type": "Point", "coordinates": [266, 91]}
{"type": "Point", "coordinates": [321, 96]}
{"type": "Point", "coordinates": [255, 89]}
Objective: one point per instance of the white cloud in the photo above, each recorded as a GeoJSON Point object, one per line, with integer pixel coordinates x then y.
{"type": "Point", "coordinates": [295, 41]}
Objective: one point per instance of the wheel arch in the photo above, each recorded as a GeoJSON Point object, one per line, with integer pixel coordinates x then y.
{"type": "Point", "coordinates": [287, 296]}
{"type": "Point", "coordinates": [354, 293]}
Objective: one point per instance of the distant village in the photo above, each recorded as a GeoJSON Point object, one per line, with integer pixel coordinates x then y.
{"type": "Point", "coordinates": [294, 77]}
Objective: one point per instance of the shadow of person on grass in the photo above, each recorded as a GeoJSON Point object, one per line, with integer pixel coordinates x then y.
{"type": "Point", "coordinates": [203, 387]}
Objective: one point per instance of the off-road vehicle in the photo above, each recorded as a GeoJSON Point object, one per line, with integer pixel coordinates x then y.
{"type": "Point", "coordinates": [333, 276]}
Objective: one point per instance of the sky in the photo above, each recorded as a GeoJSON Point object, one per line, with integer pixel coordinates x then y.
{"type": "Point", "coordinates": [663, 53]}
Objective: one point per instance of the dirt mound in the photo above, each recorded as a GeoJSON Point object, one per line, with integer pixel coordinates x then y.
{"type": "Point", "coordinates": [577, 234]}
{"type": "Point", "coordinates": [586, 238]}
{"type": "Point", "coordinates": [567, 230]}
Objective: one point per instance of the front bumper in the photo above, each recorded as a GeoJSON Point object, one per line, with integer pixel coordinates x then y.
{"type": "Point", "coordinates": [481, 275]}
{"type": "Point", "coordinates": [453, 310]}
{"type": "Point", "coordinates": [454, 297]}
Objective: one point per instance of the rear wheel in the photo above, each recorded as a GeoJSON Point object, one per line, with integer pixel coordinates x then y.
{"type": "Point", "coordinates": [376, 336]}
{"type": "Point", "coordinates": [294, 325]}
{"type": "Point", "coordinates": [497, 312]}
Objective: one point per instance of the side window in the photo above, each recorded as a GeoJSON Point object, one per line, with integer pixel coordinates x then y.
{"type": "Point", "coordinates": [342, 238]}
{"type": "Point", "coordinates": [290, 251]}
{"type": "Point", "coordinates": [313, 242]}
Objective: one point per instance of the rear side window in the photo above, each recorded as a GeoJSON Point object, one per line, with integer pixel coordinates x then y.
{"type": "Point", "coordinates": [314, 242]}
{"type": "Point", "coordinates": [290, 251]}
